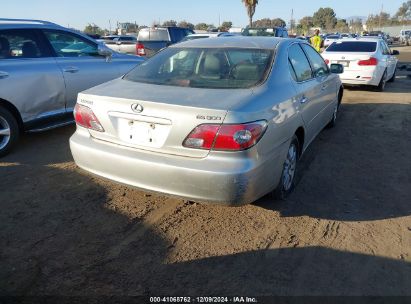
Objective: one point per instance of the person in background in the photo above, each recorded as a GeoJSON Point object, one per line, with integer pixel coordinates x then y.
{"type": "Point", "coordinates": [316, 41]}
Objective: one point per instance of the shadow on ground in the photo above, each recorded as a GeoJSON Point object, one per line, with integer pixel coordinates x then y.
{"type": "Point", "coordinates": [358, 171]}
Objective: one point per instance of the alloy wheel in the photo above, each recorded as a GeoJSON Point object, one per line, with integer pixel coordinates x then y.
{"type": "Point", "coordinates": [4, 132]}
{"type": "Point", "coordinates": [290, 165]}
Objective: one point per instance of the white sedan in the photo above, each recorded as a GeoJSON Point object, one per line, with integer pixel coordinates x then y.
{"type": "Point", "coordinates": [366, 61]}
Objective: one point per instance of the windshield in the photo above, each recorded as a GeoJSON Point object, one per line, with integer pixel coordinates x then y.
{"type": "Point", "coordinates": [353, 46]}
{"type": "Point", "coordinates": [215, 68]}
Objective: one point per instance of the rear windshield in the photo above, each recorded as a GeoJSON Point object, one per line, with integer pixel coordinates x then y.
{"type": "Point", "coordinates": [153, 35]}
{"type": "Point", "coordinates": [260, 32]}
{"type": "Point", "coordinates": [353, 46]}
{"type": "Point", "coordinates": [228, 68]}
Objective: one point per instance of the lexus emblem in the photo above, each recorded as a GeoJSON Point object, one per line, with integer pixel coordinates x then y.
{"type": "Point", "coordinates": [136, 107]}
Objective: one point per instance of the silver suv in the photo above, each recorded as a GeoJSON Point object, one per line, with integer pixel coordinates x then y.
{"type": "Point", "coordinates": [43, 67]}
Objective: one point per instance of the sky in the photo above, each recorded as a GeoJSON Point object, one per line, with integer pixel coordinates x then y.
{"type": "Point", "coordinates": [78, 13]}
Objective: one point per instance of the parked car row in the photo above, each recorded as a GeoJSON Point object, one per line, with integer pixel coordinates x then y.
{"type": "Point", "coordinates": [43, 67]}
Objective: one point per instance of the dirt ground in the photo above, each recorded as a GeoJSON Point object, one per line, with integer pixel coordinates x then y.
{"type": "Point", "coordinates": [346, 230]}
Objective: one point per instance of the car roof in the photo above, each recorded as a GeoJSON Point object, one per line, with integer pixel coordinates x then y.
{"type": "Point", "coordinates": [361, 39]}
{"type": "Point", "coordinates": [6, 23]}
{"type": "Point", "coordinates": [235, 42]}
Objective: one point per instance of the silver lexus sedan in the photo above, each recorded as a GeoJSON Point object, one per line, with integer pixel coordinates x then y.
{"type": "Point", "coordinates": [209, 120]}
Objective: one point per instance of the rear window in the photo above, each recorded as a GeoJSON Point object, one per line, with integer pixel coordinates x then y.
{"type": "Point", "coordinates": [271, 32]}
{"type": "Point", "coordinates": [153, 35]}
{"type": "Point", "coordinates": [353, 46]}
{"type": "Point", "coordinates": [224, 68]}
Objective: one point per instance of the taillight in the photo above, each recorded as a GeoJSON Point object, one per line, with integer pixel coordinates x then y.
{"type": "Point", "coordinates": [85, 117]}
{"type": "Point", "coordinates": [370, 61]}
{"type": "Point", "coordinates": [140, 50]}
{"type": "Point", "coordinates": [226, 137]}
{"type": "Point", "coordinates": [326, 61]}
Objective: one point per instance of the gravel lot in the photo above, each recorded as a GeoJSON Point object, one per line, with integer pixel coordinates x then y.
{"type": "Point", "coordinates": [346, 230]}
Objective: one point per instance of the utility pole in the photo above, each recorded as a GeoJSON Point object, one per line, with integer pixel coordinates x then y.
{"type": "Point", "coordinates": [292, 21]}
{"type": "Point", "coordinates": [379, 23]}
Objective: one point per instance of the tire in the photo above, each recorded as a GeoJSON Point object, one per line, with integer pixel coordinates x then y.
{"type": "Point", "coordinates": [392, 79]}
{"type": "Point", "coordinates": [9, 131]}
{"type": "Point", "coordinates": [286, 184]}
{"type": "Point", "coordinates": [383, 81]}
{"type": "Point", "coordinates": [333, 120]}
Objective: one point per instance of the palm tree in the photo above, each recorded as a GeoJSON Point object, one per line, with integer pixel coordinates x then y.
{"type": "Point", "coordinates": [250, 6]}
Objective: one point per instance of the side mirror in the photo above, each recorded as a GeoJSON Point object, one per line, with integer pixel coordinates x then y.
{"type": "Point", "coordinates": [104, 51]}
{"type": "Point", "coordinates": [336, 68]}
{"type": "Point", "coordinates": [395, 52]}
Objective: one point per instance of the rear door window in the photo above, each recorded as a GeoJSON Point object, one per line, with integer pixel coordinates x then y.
{"type": "Point", "coordinates": [299, 63]}
{"type": "Point", "coordinates": [353, 46]}
{"type": "Point", "coordinates": [22, 43]}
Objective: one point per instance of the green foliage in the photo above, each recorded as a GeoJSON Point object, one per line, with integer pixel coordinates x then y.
{"type": "Point", "coordinates": [225, 26]}
{"type": "Point", "coordinates": [93, 29]}
{"type": "Point", "coordinates": [170, 23]}
{"type": "Point", "coordinates": [342, 26]}
{"type": "Point", "coordinates": [325, 18]}
{"type": "Point", "coordinates": [404, 12]}
{"type": "Point", "coordinates": [356, 25]}
{"type": "Point", "coordinates": [202, 26]}
{"type": "Point", "coordinates": [266, 22]}
{"type": "Point", "coordinates": [186, 24]}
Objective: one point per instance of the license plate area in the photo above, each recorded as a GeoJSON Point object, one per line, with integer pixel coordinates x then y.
{"type": "Point", "coordinates": [344, 63]}
{"type": "Point", "coordinates": [139, 133]}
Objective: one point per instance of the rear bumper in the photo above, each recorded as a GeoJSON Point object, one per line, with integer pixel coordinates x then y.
{"type": "Point", "coordinates": [363, 77]}
{"type": "Point", "coordinates": [235, 180]}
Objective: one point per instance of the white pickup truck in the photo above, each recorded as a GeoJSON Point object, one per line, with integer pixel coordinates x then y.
{"type": "Point", "coordinates": [124, 44]}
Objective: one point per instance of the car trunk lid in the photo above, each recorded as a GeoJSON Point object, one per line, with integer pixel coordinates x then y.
{"type": "Point", "coordinates": [156, 118]}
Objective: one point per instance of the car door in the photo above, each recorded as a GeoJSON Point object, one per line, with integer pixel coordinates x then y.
{"type": "Point", "coordinates": [29, 76]}
{"type": "Point", "coordinates": [325, 88]}
{"type": "Point", "coordinates": [391, 60]}
{"type": "Point", "coordinates": [308, 90]}
{"type": "Point", "coordinates": [80, 63]}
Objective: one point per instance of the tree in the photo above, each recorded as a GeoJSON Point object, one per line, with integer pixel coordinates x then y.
{"type": "Point", "coordinates": [201, 26]}
{"type": "Point", "coordinates": [305, 24]}
{"type": "Point", "coordinates": [265, 22]}
{"type": "Point", "coordinates": [250, 6]}
{"type": "Point", "coordinates": [93, 29]}
{"type": "Point", "coordinates": [404, 12]}
{"type": "Point", "coordinates": [170, 23]}
{"type": "Point", "coordinates": [325, 18]}
{"type": "Point", "coordinates": [278, 22]}
{"type": "Point", "coordinates": [356, 25]}
{"type": "Point", "coordinates": [225, 26]}
{"type": "Point", "coordinates": [342, 26]}
{"type": "Point", "coordinates": [382, 19]}
{"type": "Point", "coordinates": [186, 24]}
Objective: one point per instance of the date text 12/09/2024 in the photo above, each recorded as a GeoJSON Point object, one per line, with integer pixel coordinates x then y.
{"type": "Point", "coordinates": [203, 300]}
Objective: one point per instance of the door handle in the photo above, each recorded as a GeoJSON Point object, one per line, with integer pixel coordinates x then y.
{"type": "Point", "coordinates": [324, 87]}
{"type": "Point", "coordinates": [71, 69]}
{"type": "Point", "coordinates": [303, 99]}
{"type": "Point", "coordinates": [3, 74]}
